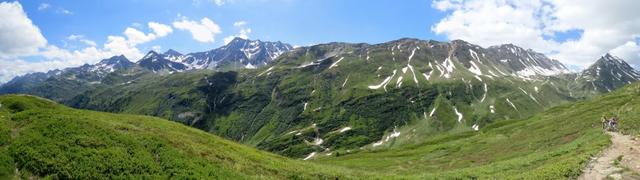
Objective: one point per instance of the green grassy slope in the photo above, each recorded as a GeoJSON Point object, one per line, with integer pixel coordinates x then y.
{"type": "Point", "coordinates": [166, 96]}
{"type": "Point", "coordinates": [551, 145]}
{"type": "Point", "coordinates": [43, 139]}
{"type": "Point", "coordinates": [629, 112]}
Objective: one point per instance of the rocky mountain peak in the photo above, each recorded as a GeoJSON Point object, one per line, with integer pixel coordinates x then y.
{"type": "Point", "coordinates": [172, 52]}
{"type": "Point", "coordinates": [151, 54]}
{"type": "Point", "coordinates": [120, 59]}
{"type": "Point", "coordinates": [608, 73]}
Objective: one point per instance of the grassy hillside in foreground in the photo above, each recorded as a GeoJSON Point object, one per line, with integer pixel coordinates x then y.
{"type": "Point", "coordinates": [41, 138]}
{"type": "Point", "coordinates": [555, 144]}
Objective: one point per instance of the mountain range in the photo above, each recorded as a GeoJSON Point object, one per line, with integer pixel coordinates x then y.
{"type": "Point", "coordinates": [334, 97]}
{"type": "Point", "coordinates": [239, 53]}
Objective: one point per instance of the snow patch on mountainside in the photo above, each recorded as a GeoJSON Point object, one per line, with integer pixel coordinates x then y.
{"type": "Point", "coordinates": [512, 105]}
{"type": "Point", "coordinates": [415, 79]}
{"type": "Point", "coordinates": [318, 141]}
{"type": "Point", "coordinates": [485, 93]}
{"type": "Point", "coordinates": [384, 83]}
{"type": "Point", "coordinates": [412, 53]}
{"type": "Point", "coordinates": [250, 66]}
{"type": "Point", "coordinates": [478, 78]}
{"type": "Point", "coordinates": [310, 156]}
{"type": "Point", "coordinates": [393, 135]}
{"type": "Point", "coordinates": [399, 82]}
{"type": "Point", "coordinates": [458, 114]}
{"type": "Point", "coordinates": [377, 143]}
{"type": "Point", "coordinates": [449, 67]}
{"type": "Point", "coordinates": [474, 68]}
{"type": "Point", "coordinates": [368, 57]}
{"type": "Point", "coordinates": [530, 96]}
{"type": "Point", "coordinates": [433, 111]}
{"type": "Point", "coordinates": [427, 76]}
{"type": "Point", "coordinates": [345, 129]}
{"type": "Point", "coordinates": [336, 63]}
{"type": "Point", "coordinates": [345, 81]}
{"type": "Point", "coordinates": [267, 71]}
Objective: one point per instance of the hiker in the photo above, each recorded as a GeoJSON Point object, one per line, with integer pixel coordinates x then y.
{"type": "Point", "coordinates": [605, 122]}
{"type": "Point", "coordinates": [613, 123]}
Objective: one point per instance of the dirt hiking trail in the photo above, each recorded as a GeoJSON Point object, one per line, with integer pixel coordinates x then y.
{"type": "Point", "coordinates": [621, 160]}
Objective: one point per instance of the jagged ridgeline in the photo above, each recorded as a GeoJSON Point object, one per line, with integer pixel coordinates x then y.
{"type": "Point", "coordinates": [337, 97]}
{"type": "Point", "coordinates": [64, 84]}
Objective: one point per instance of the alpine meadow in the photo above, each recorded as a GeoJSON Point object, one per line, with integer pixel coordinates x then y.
{"type": "Point", "coordinates": [289, 89]}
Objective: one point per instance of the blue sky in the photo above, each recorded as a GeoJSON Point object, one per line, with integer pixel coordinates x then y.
{"type": "Point", "coordinates": [291, 21]}
{"type": "Point", "coordinates": [41, 35]}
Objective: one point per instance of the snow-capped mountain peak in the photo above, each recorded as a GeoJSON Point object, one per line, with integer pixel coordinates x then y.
{"type": "Point", "coordinates": [112, 64]}
{"type": "Point", "coordinates": [156, 62]}
{"type": "Point", "coordinates": [172, 53]}
{"type": "Point", "coordinates": [239, 53]}
{"type": "Point", "coordinates": [612, 59]}
{"type": "Point", "coordinates": [151, 54]}
{"type": "Point", "coordinates": [527, 62]}
{"type": "Point", "coordinates": [608, 73]}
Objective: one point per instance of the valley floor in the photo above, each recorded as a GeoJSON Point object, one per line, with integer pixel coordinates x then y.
{"type": "Point", "coordinates": [620, 161]}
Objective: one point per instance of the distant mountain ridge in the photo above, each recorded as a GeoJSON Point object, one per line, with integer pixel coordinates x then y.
{"type": "Point", "coordinates": [528, 62]}
{"type": "Point", "coordinates": [237, 54]}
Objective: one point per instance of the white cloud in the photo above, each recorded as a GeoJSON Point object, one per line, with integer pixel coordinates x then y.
{"type": "Point", "coordinates": [136, 24]}
{"type": "Point", "coordinates": [64, 11]}
{"type": "Point", "coordinates": [219, 2]}
{"type": "Point", "coordinates": [20, 38]}
{"type": "Point", "coordinates": [244, 31]}
{"type": "Point", "coordinates": [135, 36]}
{"type": "Point", "coordinates": [59, 10]}
{"type": "Point", "coordinates": [156, 48]}
{"type": "Point", "coordinates": [43, 6]}
{"type": "Point", "coordinates": [69, 58]}
{"type": "Point", "coordinates": [82, 39]}
{"type": "Point", "coordinates": [18, 35]}
{"type": "Point", "coordinates": [160, 30]}
{"type": "Point", "coordinates": [122, 45]}
{"type": "Point", "coordinates": [629, 51]}
{"type": "Point", "coordinates": [239, 23]}
{"type": "Point", "coordinates": [203, 31]}
{"type": "Point", "coordinates": [605, 25]}
{"type": "Point", "coordinates": [215, 2]}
